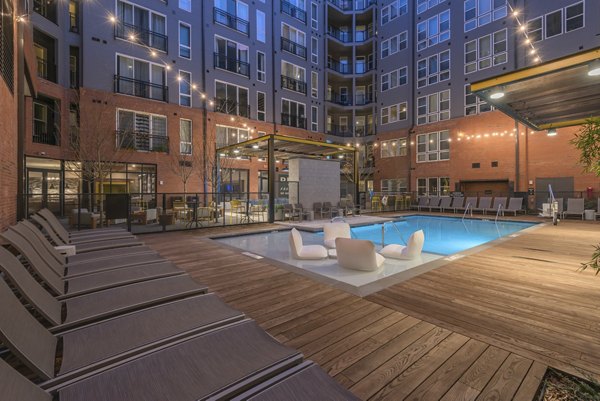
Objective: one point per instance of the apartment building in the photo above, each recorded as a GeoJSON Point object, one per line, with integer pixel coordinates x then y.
{"type": "Point", "coordinates": [170, 82]}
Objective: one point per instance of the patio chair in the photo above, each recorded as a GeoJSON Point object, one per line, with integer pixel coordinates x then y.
{"type": "Point", "coordinates": [470, 203]}
{"type": "Point", "coordinates": [412, 250]}
{"type": "Point", "coordinates": [485, 202]}
{"type": "Point", "coordinates": [434, 202]}
{"type": "Point", "coordinates": [305, 252]}
{"type": "Point", "coordinates": [499, 204]}
{"type": "Point", "coordinates": [357, 254]}
{"type": "Point", "coordinates": [351, 208]}
{"type": "Point", "coordinates": [318, 209]}
{"type": "Point", "coordinates": [65, 235]}
{"type": "Point", "coordinates": [331, 231]}
{"type": "Point", "coordinates": [302, 212]}
{"type": "Point", "coordinates": [457, 202]}
{"type": "Point", "coordinates": [445, 202]}
{"type": "Point", "coordinates": [100, 236]}
{"type": "Point", "coordinates": [91, 348]}
{"type": "Point", "coordinates": [69, 287]}
{"type": "Point", "coordinates": [515, 205]}
{"type": "Point", "coordinates": [289, 212]}
{"type": "Point", "coordinates": [330, 210]}
{"type": "Point", "coordinates": [99, 305]}
{"type": "Point", "coordinates": [423, 202]}
{"type": "Point", "coordinates": [214, 365]}
{"type": "Point", "coordinates": [575, 207]}
{"type": "Point", "coordinates": [305, 382]}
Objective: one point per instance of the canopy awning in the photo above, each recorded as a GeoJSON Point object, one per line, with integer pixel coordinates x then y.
{"type": "Point", "coordinates": [558, 93]}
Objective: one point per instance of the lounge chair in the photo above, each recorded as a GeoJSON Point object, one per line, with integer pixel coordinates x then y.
{"type": "Point", "coordinates": [470, 203]}
{"type": "Point", "coordinates": [422, 203]}
{"type": "Point", "coordinates": [434, 202]}
{"type": "Point", "coordinates": [93, 347]}
{"type": "Point", "coordinates": [499, 203]}
{"type": "Point", "coordinates": [357, 254]}
{"type": "Point", "coordinates": [98, 305]}
{"type": "Point", "coordinates": [515, 205]}
{"type": "Point", "coordinates": [305, 252]}
{"type": "Point", "coordinates": [457, 202]}
{"type": "Point", "coordinates": [575, 207]}
{"type": "Point", "coordinates": [100, 236]}
{"type": "Point", "coordinates": [305, 382]}
{"type": "Point", "coordinates": [331, 231]}
{"type": "Point", "coordinates": [412, 250]}
{"type": "Point", "coordinates": [444, 204]}
{"type": "Point", "coordinates": [213, 365]}
{"type": "Point", "coordinates": [485, 203]}
{"type": "Point", "coordinates": [65, 235]}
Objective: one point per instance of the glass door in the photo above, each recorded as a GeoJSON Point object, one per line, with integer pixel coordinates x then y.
{"type": "Point", "coordinates": [44, 190]}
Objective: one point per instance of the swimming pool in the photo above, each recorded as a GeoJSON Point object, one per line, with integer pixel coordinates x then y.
{"type": "Point", "coordinates": [443, 235]}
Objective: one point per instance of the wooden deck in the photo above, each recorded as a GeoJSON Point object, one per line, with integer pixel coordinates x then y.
{"type": "Point", "coordinates": [484, 327]}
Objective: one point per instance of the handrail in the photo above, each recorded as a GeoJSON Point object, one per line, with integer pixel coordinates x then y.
{"type": "Point", "coordinates": [383, 232]}
{"type": "Point", "coordinates": [500, 208]}
{"type": "Point", "coordinates": [467, 208]}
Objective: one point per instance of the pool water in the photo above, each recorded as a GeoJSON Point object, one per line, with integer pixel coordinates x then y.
{"type": "Point", "coordinates": [443, 235]}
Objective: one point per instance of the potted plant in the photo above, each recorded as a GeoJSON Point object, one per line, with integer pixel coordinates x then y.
{"type": "Point", "coordinates": [278, 212]}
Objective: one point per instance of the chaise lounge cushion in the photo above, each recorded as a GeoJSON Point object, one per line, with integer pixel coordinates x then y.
{"type": "Point", "coordinates": [412, 250]}
{"type": "Point", "coordinates": [331, 231]}
{"type": "Point", "coordinates": [358, 254]}
{"type": "Point", "coordinates": [300, 251]}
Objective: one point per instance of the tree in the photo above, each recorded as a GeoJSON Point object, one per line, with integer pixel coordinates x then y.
{"type": "Point", "coordinates": [587, 141]}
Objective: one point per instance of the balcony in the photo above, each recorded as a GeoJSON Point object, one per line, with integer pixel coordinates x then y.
{"type": "Point", "coordinates": [292, 120]}
{"type": "Point", "coordinates": [341, 35]}
{"type": "Point", "coordinates": [45, 135]}
{"type": "Point", "coordinates": [363, 36]}
{"type": "Point", "coordinates": [364, 130]}
{"type": "Point", "coordinates": [363, 99]}
{"type": "Point", "coordinates": [293, 84]}
{"type": "Point", "coordinates": [339, 130]}
{"type": "Point", "coordinates": [142, 141]}
{"type": "Point", "coordinates": [225, 62]}
{"type": "Point", "coordinates": [227, 106]}
{"type": "Point", "coordinates": [46, 70]}
{"type": "Point", "coordinates": [293, 11]}
{"type": "Point", "coordinates": [364, 4]}
{"type": "Point", "coordinates": [136, 87]}
{"type": "Point", "coordinates": [73, 22]}
{"type": "Point", "coordinates": [231, 21]}
{"type": "Point", "coordinates": [362, 68]}
{"type": "Point", "coordinates": [136, 34]}
{"type": "Point", "coordinates": [342, 100]}
{"type": "Point", "coordinates": [342, 68]}
{"type": "Point", "coordinates": [347, 5]}
{"type": "Point", "coordinates": [293, 47]}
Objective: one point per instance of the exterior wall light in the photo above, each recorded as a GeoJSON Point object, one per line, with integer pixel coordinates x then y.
{"type": "Point", "coordinates": [594, 68]}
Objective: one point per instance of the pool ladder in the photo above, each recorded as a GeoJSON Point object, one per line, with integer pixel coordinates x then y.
{"type": "Point", "coordinates": [383, 232]}
{"type": "Point", "coordinates": [468, 208]}
{"type": "Point", "coordinates": [500, 210]}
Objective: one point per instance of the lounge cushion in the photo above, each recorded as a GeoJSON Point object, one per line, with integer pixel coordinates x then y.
{"type": "Point", "coordinates": [412, 249]}
{"type": "Point", "coordinates": [300, 251]}
{"type": "Point", "coordinates": [331, 231]}
{"type": "Point", "coordinates": [358, 254]}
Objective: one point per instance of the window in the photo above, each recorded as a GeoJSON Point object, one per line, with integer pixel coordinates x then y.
{"type": "Point", "coordinates": [433, 186]}
{"type": "Point", "coordinates": [233, 14]}
{"type": "Point", "coordinates": [574, 17]}
{"type": "Point", "coordinates": [185, 40]}
{"type": "Point", "coordinates": [231, 99]}
{"type": "Point", "coordinates": [393, 10]}
{"type": "Point", "coordinates": [261, 63]}
{"type": "Point", "coordinates": [147, 27]}
{"type": "Point", "coordinates": [561, 21]}
{"type": "Point", "coordinates": [314, 50]}
{"type": "Point", "coordinates": [73, 67]}
{"type": "Point", "coordinates": [185, 5]}
{"type": "Point", "coordinates": [185, 88]}
{"type": "Point", "coordinates": [261, 30]}
{"type": "Point", "coordinates": [7, 44]}
{"type": "Point", "coordinates": [140, 78]}
{"type": "Point", "coordinates": [474, 104]}
{"type": "Point", "coordinates": [534, 30]}
{"type": "Point", "coordinates": [314, 119]}
{"type": "Point", "coordinates": [391, 114]}
{"type": "Point", "coordinates": [434, 146]}
{"type": "Point", "coordinates": [393, 79]}
{"type": "Point", "coordinates": [185, 136]}
{"type": "Point", "coordinates": [293, 77]}
{"type": "Point", "coordinates": [424, 5]}
{"type": "Point", "coordinates": [434, 107]}
{"type": "Point", "coordinates": [293, 114]}
{"type": "Point", "coordinates": [314, 16]}
{"type": "Point", "coordinates": [231, 56]}
{"type": "Point", "coordinates": [482, 12]}
{"type": "Point", "coordinates": [394, 44]}
{"type": "Point", "coordinates": [260, 106]}
{"type": "Point", "coordinates": [433, 31]}
{"type": "Point", "coordinates": [487, 51]}
{"type": "Point", "coordinates": [314, 84]}
{"type": "Point", "coordinates": [393, 148]}
{"type": "Point", "coordinates": [394, 185]}
{"type": "Point", "coordinates": [293, 41]}
{"type": "Point", "coordinates": [554, 24]}
{"type": "Point", "coordinates": [147, 132]}
{"type": "Point", "coordinates": [230, 135]}
{"type": "Point", "coordinates": [433, 69]}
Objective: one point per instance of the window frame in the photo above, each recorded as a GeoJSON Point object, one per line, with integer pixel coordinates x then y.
{"type": "Point", "coordinates": [189, 48]}
{"type": "Point", "coordinates": [183, 143]}
{"type": "Point", "coordinates": [437, 150]}
{"type": "Point", "coordinates": [399, 146]}
{"type": "Point", "coordinates": [189, 83]}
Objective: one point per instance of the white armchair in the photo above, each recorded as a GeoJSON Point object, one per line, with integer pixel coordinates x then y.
{"type": "Point", "coordinates": [412, 250]}
{"type": "Point", "coordinates": [331, 231]}
{"type": "Point", "coordinates": [300, 251]}
{"type": "Point", "coordinates": [358, 254]}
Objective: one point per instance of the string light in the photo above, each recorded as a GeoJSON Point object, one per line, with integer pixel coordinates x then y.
{"type": "Point", "coordinates": [523, 29]}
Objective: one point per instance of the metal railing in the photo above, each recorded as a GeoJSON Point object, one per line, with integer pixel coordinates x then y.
{"type": "Point", "coordinates": [142, 141]}
{"type": "Point", "coordinates": [341, 35]}
{"type": "Point", "coordinates": [350, 5]}
{"type": "Point", "coordinates": [137, 34]}
{"type": "Point", "coordinates": [293, 47]}
{"type": "Point", "coordinates": [293, 84]}
{"type": "Point", "coordinates": [46, 70]}
{"type": "Point", "coordinates": [363, 36]}
{"type": "Point", "coordinates": [342, 100]}
{"type": "Point", "coordinates": [339, 130]}
{"type": "Point", "coordinates": [292, 120]}
{"type": "Point", "coordinates": [362, 100]}
{"type": "Point", "coordinates": [293, 11]}
{"type": "Point", "coordinates": [229, 20]}
{"type": "Point", "coordinates": [231, 107]}
{"type": "Point", "coordinates": [366, 130]}
{"type": "Point", "coordinates": [363, 68]}
{"type": "Point", "coordinates": [44, 135]}
{"type": "Point", "coordinates": [342, 68]}
{"type": "Point", "coordinates": [136, 87]}
{"type": "Point", "coordinates": [231, 64]}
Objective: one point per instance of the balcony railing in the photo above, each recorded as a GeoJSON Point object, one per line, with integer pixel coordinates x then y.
{"type": "Point", "coordinates": [347, 5]}
{"type": "Point", "coordinates": [231, 107]}
{"type": "Point", "coordinates": [293, 11]}
{"type": "Point", "coordinates": [225, 62]}
{"type": "Point", "coordinates": [363, 4]}
{"type": "Point", "coordinates": [342, 68]}
{"type": "Point", "coordinates": [46, 70]}
{"type": "Point", "coordinates": [361, 100]}
{"type": "Point", "coordinates": [142, 141]}
{"type": "Point", "coordinates": [365, 130]}
{"type": "Point", "coordinates": [339, 130]}
{"type": "Point", "coordinates": [292, 120]}
{"type": "Point", "coordinates": [362, 68]}
{"type": "Point", "coordinates": [135, 87]}
{"type": "Point", "coordinates": [343, 100]}
{"type": "Point", "coordinates": [293, 84]}
{"type": "Point", "coordinates": [229, 20]}
{"type": "Point", "coordinates": [363, 36]}
{"type": "Point", "coordinates": [137, 34]}
{"type": "Point", "coordinates": [341, 35]}
{"type": "Point", "coordinates": [74, 22]}
{"type": "Point", "coordinates": [293, 47]}
{"type": "Point", "coordinates": [45, 135]}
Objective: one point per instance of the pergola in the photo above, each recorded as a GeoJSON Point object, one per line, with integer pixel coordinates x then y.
{"type": "Point", "coordinates": [558, 93]}
{"type": "Point", "coordinates": [274, 147]}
